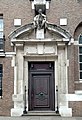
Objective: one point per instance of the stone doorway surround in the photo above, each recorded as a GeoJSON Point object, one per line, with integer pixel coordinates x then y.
{"type": "Point", "coordinates": [37, 52]}
{"type": "Point", "coordinates": [47, 49]}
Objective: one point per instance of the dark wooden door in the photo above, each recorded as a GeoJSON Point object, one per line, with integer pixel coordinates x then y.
{"type": "Point", "coordinates": [41, 86]}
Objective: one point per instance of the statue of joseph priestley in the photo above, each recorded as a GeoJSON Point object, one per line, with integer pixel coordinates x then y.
{"type": "Point", "coordinates": [39, 20]}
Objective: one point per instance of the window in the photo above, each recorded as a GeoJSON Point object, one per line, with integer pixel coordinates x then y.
{"type": "Point", "coordinates": [80, 56]}
{"type": "Point", "coordinates": [1, 33]}
{"type": "Point", "coordinates": [1, 75]}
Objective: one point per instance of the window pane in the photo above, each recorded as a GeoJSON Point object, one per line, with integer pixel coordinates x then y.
{"type": "Point", "coordinates": [80, 66]}
{"type": "Point", "coordinates": [0, 92]}
{"type": "Point", "coordinates": [0, 84]}
{"type": "Point", "coordinates": [80, 75]}
{"type": "Point", "coordinates": [1, 71]}
{"type": "Point", "coordinates": [1, 43]}
{"type": "Point", "coordinates": [1, 24]}
{"type": "Point", "coordinates": [0, 68]}
{"type": "Point", "coordinates": [80, 39]}
{"type": "Point", "coordinates": [1, 34]}
{"type": "Point", "coordinates": [80, 58]}
{"type": "Point", "coordinates": [80, 49]}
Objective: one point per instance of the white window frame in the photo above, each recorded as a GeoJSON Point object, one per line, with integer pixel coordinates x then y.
{"type": "Point", "coordinates": [80, 45]}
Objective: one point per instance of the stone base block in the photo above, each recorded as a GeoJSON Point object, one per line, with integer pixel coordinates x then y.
{"type": "Point", "coordinates": [65, 112]}
{"type": "Point", "coordinates": [16, 112]}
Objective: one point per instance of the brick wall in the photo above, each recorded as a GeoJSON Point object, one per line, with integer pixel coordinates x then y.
{"type": "Point", "coordinates": [12, 9]}
{"type": "Point", "coordinates": [7, 86]}
{"type": "Point", "coordinates": [76, 108]}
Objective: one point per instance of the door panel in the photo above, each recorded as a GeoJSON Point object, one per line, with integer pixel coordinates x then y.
{"type": "Point", "coordinates": [41, 91]}
{"type": "Point", "coordinates": [41, 87]}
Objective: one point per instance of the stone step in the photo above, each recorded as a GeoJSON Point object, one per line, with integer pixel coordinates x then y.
{"type": "Point", "coordinates": [41, 113]}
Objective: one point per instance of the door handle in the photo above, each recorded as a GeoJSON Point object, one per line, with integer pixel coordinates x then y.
{"type": "Point", "coordinates": [41, 94]}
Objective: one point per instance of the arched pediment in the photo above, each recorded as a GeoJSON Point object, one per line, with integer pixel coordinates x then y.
{"type": "Point", "coordinates": [26, 28]}
{"type": "Point", "coordinates": [59, 30]}
{"type": "Point", "coordinates": [29, 27]}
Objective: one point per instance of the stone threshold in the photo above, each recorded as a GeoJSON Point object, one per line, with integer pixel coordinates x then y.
{"type": "Point", "coordinates": [41, 113]}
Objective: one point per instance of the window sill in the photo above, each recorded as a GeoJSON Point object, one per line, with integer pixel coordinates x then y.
{"type": "Point", "coordinates": [2, 54]}
{"type": "Point", "coordinates": [79, 92]}
{"type": "Point", "coordinates": [79, 81]}
{"type": "Point", "coordinates": [1, 97]}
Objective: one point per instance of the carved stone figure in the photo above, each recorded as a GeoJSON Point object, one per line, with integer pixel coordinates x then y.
{"type": "Point", "coordinates": [39, 20]}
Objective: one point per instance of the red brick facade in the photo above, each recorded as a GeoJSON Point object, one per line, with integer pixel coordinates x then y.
{"type": "Point", "coordinates": [7, 87]}
{"type": "Point", "coordinates": [22, 9]}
